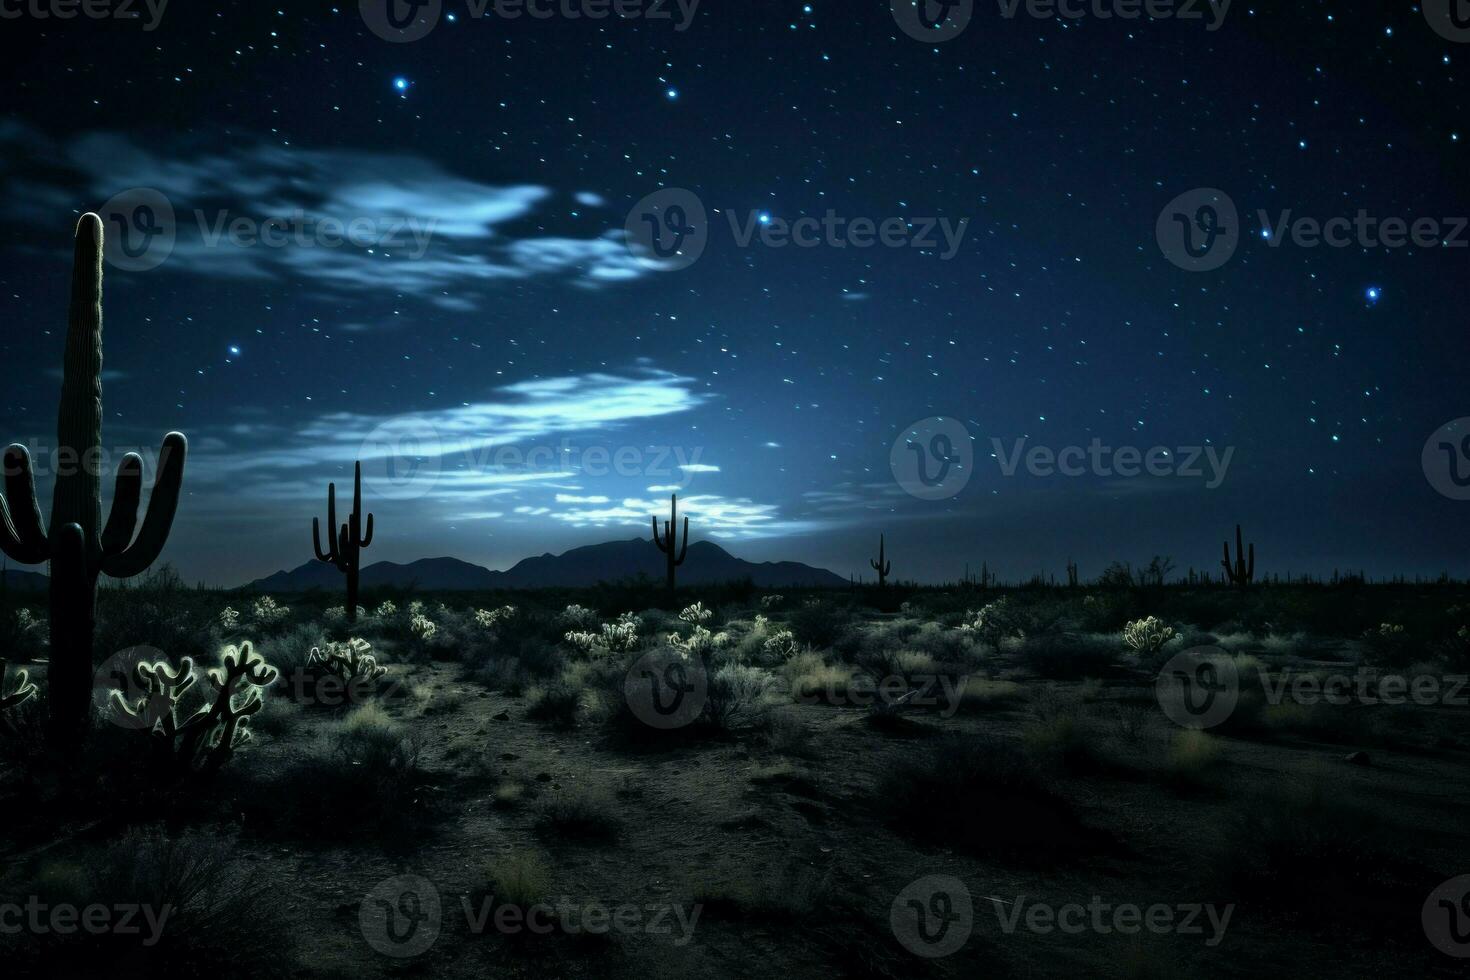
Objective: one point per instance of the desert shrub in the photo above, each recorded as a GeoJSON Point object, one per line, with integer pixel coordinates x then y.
{"type": "Point", "coordinates": [557, 704]}
{"type": "Point", "coordinates": [577, 811]}
{"type": "Point", "coordinates": [575, 617]}
{"type": "Point", "coordinates": [1192, 759]}
{"type": "Point", "coordinates": [819, 623]}
{"type": "Point", "coordinates": [519, 879]}
{"type": "Point", "coordinates": [1057, 736]}
{"type": "Point", "coordinates": [753, 892]}
{"type": "Point", "coordinates": [994, 622]}
{"type": "Point", "coordinates": [23, 635]}
{"type": "Point", "coordinates": [810, 678]}
{"type": "Point", "coordinates": [1066, 656]}
{"type": "Point", "coordinates": [619, 636]}
{"type": "Point", "coordinates": [985, 694]}
{"type": "Point", "coordinates": [1389, 645]}
{"type": "Point", "coordinates": [736, 693]}
{"type": "Point", "coordinates": [207, 908]}
{"type": "Point", "coordinates": [983, 797]}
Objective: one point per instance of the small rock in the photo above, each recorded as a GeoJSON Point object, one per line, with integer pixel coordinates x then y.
{"type": "Point", "coordinates": [1358, 759]}
{"type": "Point", "coordinates": [503, 716]}
{"type": "Point", "coordinates": [509, 756]}
{"type": "Point", "coordinates": [543, 777]}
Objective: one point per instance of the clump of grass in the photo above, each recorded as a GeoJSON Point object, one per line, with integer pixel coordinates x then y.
{"type": "Point", "coordinates": [520, 879]}
{"type": "Point", "coordinates": [810, 678]}
{"type": "Point", "coordinates": [759, 894]}
{"type": "Point", "coordinates": [987, 694]}
{"type": "Point", "coordinates": [578, 811]}
{"type": "Point", "coordinates": [1192, 758]}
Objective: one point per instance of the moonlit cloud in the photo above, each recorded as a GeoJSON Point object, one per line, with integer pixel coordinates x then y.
{"type": "Point", "coordinates": [421, 230]}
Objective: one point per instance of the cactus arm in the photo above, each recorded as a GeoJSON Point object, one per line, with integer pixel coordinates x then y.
{"type": "Point", "coordinates": [316, 540]}
{"type": "Point", "coordinates": [656, 539]}
{"type": "Point", "coordinates": [123, 520]}
{"type": "Point", "coordinates": [1250, 573]}
{"type": "Point", "coordinates": [685, 549]}
{"type": "Point", "coordinates": [367, 538]}
{"type": "Point", "coordinates": [21, 534]}
{"type": "Point", "coordinates": [163, 504]}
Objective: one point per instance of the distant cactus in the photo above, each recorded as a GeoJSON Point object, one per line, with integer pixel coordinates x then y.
{"type": "Point", "coordinates": [881, 566]}
{"type": "Point", "coordinates": [1241, 573]}
{"type": "Point", "coordinates": [78, 546]}
{"type": "Point", "coordinates": [670, 535]}
{"type": "Point", "coordinates": [204, 741]}
{"type": "Point", "coordinates": [1071, 574]}
{"type": "Point", "coordinates": [344, 545]}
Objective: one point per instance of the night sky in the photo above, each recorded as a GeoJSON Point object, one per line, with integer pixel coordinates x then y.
{"type": "Point", "coordinates": [780, 377]}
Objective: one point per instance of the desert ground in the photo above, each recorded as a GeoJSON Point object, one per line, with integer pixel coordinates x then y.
{"type": "Point", "coordinates": [896, 782]}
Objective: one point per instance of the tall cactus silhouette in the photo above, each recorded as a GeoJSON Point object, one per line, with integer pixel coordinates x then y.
{"type": "Point", "coordinates": [345, 544]}
{"type": "Point", "coordinates": [1241, 574]}
{"type": "Point", "coordinates": [880, 566]}
{"type": "Point", "coordinates": [78, 546]}
{"type": "Point", "coordinates": [665, 542]}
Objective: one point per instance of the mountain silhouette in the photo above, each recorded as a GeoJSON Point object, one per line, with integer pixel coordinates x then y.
{"type": "Point", "coordinates": [611, 561]}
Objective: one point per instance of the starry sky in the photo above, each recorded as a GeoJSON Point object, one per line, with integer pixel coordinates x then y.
{"type": "Point", "coordinates": [543, 380]}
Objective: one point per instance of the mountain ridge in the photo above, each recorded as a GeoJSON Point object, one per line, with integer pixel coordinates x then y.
{"type": "Point", "coordinates": [707, 563]}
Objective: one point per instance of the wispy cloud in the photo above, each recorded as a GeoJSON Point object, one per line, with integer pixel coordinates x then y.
{"type": "Point", "coordinates": [344, 220]}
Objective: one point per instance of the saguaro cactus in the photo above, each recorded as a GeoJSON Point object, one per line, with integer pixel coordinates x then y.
{"type": "Point", "coordinates": [1241, 573]}
{"type": "Point", "coordinates": [345, 544]}
{"type": "Point", "coordinates": [665, 542]}
{"type": "Point", "coordinates": [880, 566]}
{"type": "Point", "coordinates": [77, 544]}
